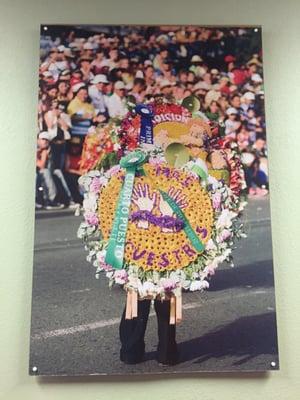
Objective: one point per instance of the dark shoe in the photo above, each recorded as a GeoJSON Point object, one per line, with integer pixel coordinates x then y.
{"type": "Point", "coordinates": [131, 359]}
{"type": "Point", "coordinates": [53, 205]}
{"type": "Point", "coordinates": [169, 358]}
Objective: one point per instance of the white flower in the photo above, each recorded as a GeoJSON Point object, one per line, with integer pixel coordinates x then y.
{"type": "Point", "coordinates": [199, 285]}
{"type": "Point", "coordinates": [147, 289]}
{"type": "Point", "coordinates": [225, 219]}
{"type": "Point", "coordinates": [210, 245]}
{"type": "Point", "coordinates": [90, 202]}
{"type": "Point", "coordinates": [116, 146]}
{"type": "Point", "coordinates": [213, 182]}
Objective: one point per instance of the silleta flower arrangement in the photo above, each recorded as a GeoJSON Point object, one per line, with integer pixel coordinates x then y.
{"type": "Point", "coordinates": [166, 215]}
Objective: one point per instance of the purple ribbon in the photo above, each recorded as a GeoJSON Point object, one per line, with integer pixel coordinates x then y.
{"type": "Point", "coordinates": [165, 221]}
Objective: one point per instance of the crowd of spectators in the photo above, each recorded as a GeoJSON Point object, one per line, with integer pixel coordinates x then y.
{"type": "Point", "coordinates": [88, 75]}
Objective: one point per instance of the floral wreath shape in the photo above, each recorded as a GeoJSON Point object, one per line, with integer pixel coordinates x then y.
{"type": "Point", "coordinates": [158, 202]}
{"type": "Point", "coordinates": [225, 226]}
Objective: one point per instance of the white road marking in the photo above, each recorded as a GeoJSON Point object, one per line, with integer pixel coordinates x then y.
{"type": "Point", "coordinates": [80, 290]}
{"type": "Point", "coordinates": [114, 321]}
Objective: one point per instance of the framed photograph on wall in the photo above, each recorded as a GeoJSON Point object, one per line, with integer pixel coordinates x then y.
{"type": "Point", "coordinates": [153, 250]}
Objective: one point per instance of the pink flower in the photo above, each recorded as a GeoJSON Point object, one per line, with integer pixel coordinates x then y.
{"type": "Point", "coordinates": [216, 200]}
{"type": "Point", "coordinates": [95, 185]}
{"type": "Point", "coordinates": [91, 218]}
{"type": "Point", "coordinates": [225, 234]}
{"type": "Point", "coordinates": [121, 276]}
{"type": "Point", "coordinates": [114, 170]}
{"type": "Point", "coordinates": [168, 284]}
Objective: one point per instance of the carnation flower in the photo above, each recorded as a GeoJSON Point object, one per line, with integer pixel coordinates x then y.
{"type": "Point", "coordinates": [168, 284]}
{"type": "Point", "coordinates": [216, 200]}
{"type": "Point", "coordinates": [95, 185]}
{"type": "Point", "coordinates": [199, 285]}
{"type": "Point", "coordinates": [113, 170]}
{"type": "Point", "coordinates": [90, 202]}
{"type": "Point", "coordinates": [225, 219]}
{"type": "Point", "coordinates": [224, 235]}
{"type": "Point", "coordinates": [91, 218]}
{"type": "Point", "coordinates": [121, 276]}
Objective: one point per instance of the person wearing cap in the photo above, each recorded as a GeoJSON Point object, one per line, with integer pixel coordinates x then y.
{"type": "Point", "coordinates": [97, 93]}
{"type": "Point", "coordinates": [82, 113]}
{"type": "Point", "coordinates": [166, 87]}
{"type": "Point", "coordinates": [247, 102]}
{"type": "Point", "coordinates": [116, 103]}
{"type": "Point", "coordinates": [197, 66]}
{"type": "Point", "coordinates": [231, 123]}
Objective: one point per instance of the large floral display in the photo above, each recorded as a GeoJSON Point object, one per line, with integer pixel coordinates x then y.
{"type": "Point", "coordinates": [164, 217]}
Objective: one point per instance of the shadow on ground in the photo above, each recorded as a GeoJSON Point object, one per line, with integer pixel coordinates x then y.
{"type": "Point", "coordinates": [259, 274]}
{"type": "Point", "coordinates": [244, 338]}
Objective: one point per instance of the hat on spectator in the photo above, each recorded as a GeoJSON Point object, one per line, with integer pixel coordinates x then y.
{"type": "Point", "coordinates": [229, 58]}
{"type": "Point", "coordinates": [162, 37]}
{"type": "Point", "coordinates": [196, 58]}
{"type": "Point", "coordinates": [147, 62]}
{"type": "Point", "coordinates": [256, 78]}
{"type": "Point", "coordinates": [139, 74]}
{"type": "Point", "coordinates": [68, 53]}
{"type": "Point", "coordinates": [249, 96]}
{"type": "Point", "coordinates": [254, 60]}
{"type": "Point", "coordinates": [212, 95]}
{"type": "Point", "coordinates": [119, 85]}
{"type": "Point", "coordinates": [65, 72]}
{"type": "Point", "coordinates": [47, 74]}
{"type": "Point", "coordinates": [77, 87]}
{"type": "Point", "coordinates": [100, 78]}
{"type": "Point", "coordinates": [88, 46]}
{"type": "Point", "coordinates": [165, 83]}
{"type": "Point", "coordinates": [231, 110]}
{"type": "Point", "coordinates": [214, 71]}
{"type": "Point", "coordinates": [202, 86]}
{"type": "Point", "coordinates": [45, 135]}
{"type": "Point", "coordinates": [61, 48]}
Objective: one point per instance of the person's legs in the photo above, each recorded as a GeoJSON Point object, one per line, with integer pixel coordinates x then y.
{"type": "Point", "coordinates": [58, 173]}
{"type": "Point", "coordinates": [167, 346]}
{"type": "Point", "coordinates": [132, 332]}
{"type": "Point", "coordinates": [49, 183]}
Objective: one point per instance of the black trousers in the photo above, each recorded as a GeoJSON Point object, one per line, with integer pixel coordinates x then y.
{"type": "Point", "coordinates": [132, 333]}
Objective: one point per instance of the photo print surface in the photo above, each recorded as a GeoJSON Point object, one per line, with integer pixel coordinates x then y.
{"type": "Point", "coordinates": [153, 249]}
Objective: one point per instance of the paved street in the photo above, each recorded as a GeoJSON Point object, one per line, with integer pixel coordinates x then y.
{"type": "Point", "coordinates": [75, 317]}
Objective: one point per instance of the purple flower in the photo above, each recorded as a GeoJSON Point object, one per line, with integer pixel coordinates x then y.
{"type": "Point", "coordinates": [168, 284]}
{"type": "Point", "coordinates": [114, 170]}
{"type": "Point", "coordinates": [91, 218]}
{"type": "Point", "coordinates": [95, 185]}
{"type": "Point", "coordinates": [225, 234]}
{"type": "Point", "coordinates": [121, 276]}
{"type": "Point", "coordinates": [216, 200]}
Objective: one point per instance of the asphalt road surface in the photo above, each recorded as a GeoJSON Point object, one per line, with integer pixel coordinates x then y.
{"type": "Point", "coordinates": [75, 317]}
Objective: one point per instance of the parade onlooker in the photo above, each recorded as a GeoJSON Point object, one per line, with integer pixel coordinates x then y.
{"type": "Point", "coordinates": [117, 102]}
{"type": "Point", "coordinates": [93, 75]}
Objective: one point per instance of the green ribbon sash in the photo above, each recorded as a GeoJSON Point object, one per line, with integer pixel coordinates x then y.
{"type": "Point", "coordinates": [116, 244]}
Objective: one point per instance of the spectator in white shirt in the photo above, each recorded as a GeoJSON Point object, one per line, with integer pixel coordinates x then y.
{"type": "Point", "coordinates": [97, 93]}
{"type": "Point", "coordinates": [116, 102]}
